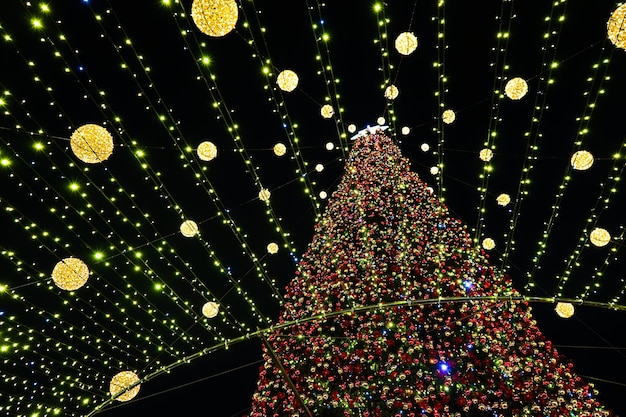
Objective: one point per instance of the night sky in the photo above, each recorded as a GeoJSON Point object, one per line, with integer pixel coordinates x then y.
{"type": "Point", "coordinates": [143, 71]}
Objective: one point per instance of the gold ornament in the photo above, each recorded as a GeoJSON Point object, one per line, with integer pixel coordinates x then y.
{"type": "Point", "coordinates": [516, 88]}
{"type": "Point", "coordinates": [91, 143]}
{"type": "Point", "coordinates": [120, 384]}
{"type": "Point", "coordinates": [319, 167]}
{"type": "Point", "coordinates": [330, 146]}
{"type": "Point", "coordinates": [327, 111]}
{"type": "Point", "coordinates": [600, 237]}
{"type": "Point", "coordinates": [406, 43]}
{"type": "Point", "coordinates": [564, 310]}
{"type": "Point", "coordinates": [405, 130]}
{"type": "Point", "coordinates": [352, 128]}
{"type": "Point", "coordinates": [503, 199]}
{"type": "Point", "coordinates": [582, 160]}
{"type": "Point", "coordinates": [434, 170]}
{"type": "Point", "coordinates": [448, 116]}
{"type": "Point", "coordinates": [323, 195]}
{"type": "Point", "coordinates": [486, 154]}
{"type": "Point", "coordinates": [380, 120]}
{"type": "Point", "coordinates": [391, 92]}
{"type": "Point", "coordinates": [425, 147]}
{"type": "Point", "coordinates": [215, 17]}
{"type": "Point", "coordinates": [70, 274]}
{"type": "Point", "coordinates": [272, 248]}
{"type": "Point", "coordinates": [489, 243]}
{"type": "Point", "coordinates": [264, 195]}
{"type": "Point", "coordinates": [207, 151]}
{"type": "Point", "coordinates": [210, 309]}
{"type": "Point", "coordinates": [280, 149]}
{"type": "Point", "coordinates": [287, 80]}
{"type": "Point", "coordinates": [616, 25]}
{"type": "Point", "coordinates": [189, 228]}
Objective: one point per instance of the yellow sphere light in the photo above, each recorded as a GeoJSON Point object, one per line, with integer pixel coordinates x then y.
{"type": "Point", "coordinates": [582, 160]}
{"type": "Point", "coordinates": [264, 195]}
{"type": "Point", "coordinates": [564, 310]}
{"type": "Point", "coordinates": [70, 274]}
{"type": "Point", "coordinates": [406, 43]}
{"type": "Point", "coordinates": [391, 92]}
{"type": "Point", "coordinates": [207, 151]}
{"type": "Point", "coordinates": [287, 80]}
{"type": "Point", "coordinates": [327, 111]}
{"type": "Point", "coordinates": [120, 384]}
{"type": "Point", "coordinates": [616, 25]}
{"type": "Point", "coordinates": [489, 243]}
{"type": "Point", "coordinates": [516, 88]}
{"type": "Point", "coordinates": [503, 199]}
{"type": "Point", "coordinates": [486, 154]}
{"type": "Point", "coordinates": [210, 309]}
{"type": "Point", "coordinates": [448, 116]}
{"type": "Point", "coordinates": [280, 149]}
{"type": "Point", "coordinates": [189, 228]}
{"type": "Point", "coordinates": [600, 237]}
{"type": "Point", "coordinates": [91, 143]}
{"type": "Point", "coordinates": [272, 248]}
{"type": "Point", "coordinates": [215, 17]}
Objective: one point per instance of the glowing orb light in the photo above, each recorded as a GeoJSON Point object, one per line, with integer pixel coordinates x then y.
{"type": "Point", "coordinates": [615, 27]}
{"type": "Point", "coordinates": [287, 80]}
{"type": "Point", "coordinates": [264, 195]}
{"type": "Point", "coordinates": [215, 17]}
{"type": "Point", "coordinates": [448, 116]}
{"type": "Point", "coordinates": [210, 309]}
{"type": "Point", "coordinates": [406, 43]}
{"type": "Point", "coordinates": [70, 274]}
{"type": "Point", "coordinates": [486, 154]}
{"type": "Point", "coordinates": [319, 167]}
{"type": "Point", "coordinates": [121, 383]}
{"type": "Point", "coordinates": [272, 248]}
{"type": "Point", "coordinates": [489, 243]}
{"type": "Point", "coordinates": [405, 130]}
{"type": "Point", "coordinates": [91, 143]}
{"type": "Point", "coordinates": [280, 149]}
{"type": "Point", "coordinates": [189, 228]}
{"type": "Point", "coordinates": [599, 237]}
{"type": "Point", "coordinates": [564, 310]}
{"type": "Point", "coordinates": [381, 120]}
{"type": "Point", "coordinates": [207, 151]}
{"type": "Point", "coordinates": [425, 147]}
{"type": "Point", "coordinates": [352, 128]}
{"type": "Point", "coordinates": [582, 160]}
{"type": "Point", "coordinates": [434, 170]}
{"type": "Point", "coordinates": [516, 88]}
{"type": "Point", "coordinates": [391, 92]}
{"type": "Point", "coordinates": [503, 199]}
{"type": "Point", "coordinates": [327, 111]}
{"type": "Point", "coordinates": [323, 195]}
{"type": "Point", "coordinates": [330, 146]}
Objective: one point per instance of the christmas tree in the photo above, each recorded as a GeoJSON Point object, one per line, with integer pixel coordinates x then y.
{"type": "Point", "coordinates": [386, 239]}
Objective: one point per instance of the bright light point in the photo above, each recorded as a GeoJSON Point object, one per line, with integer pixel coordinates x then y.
{"type": "Point", "coordinates": [325, 37]}
{"type": "Point", "coordinates": [140, 153]}
{"type": "Point", "coordinates": [167, 2]}
{"type": "Point", "coordinates": [5, 162]}
{"type": "Point", "coordinates": [3, 288]}
{"type": "Point", "coordinates": [319, 167]}
{"type": "Point", "coordinates": [36, 23]}
{"type": "Point", "coordinates": [330, 146]}
{"type": "Point", "coordinates": [378, 7]}
{"type": "Point", "coordinates": [39, 146]}
{"type": "Point", "coordinates": [44, 7]}
{"type": "Point", "coordinates": [266, 70]}
{"type": "Point", "coordinates": [98, 255]}
{"type": "Point", "coordinates": [206, 60]}
{"type": "Point", "coordinates": [74, 186]}
{"type": "Point", "coordinates": [443, 367]}
{"type": "Point", "coordinates": [323, 195]}
{"type": "Point", "coordinates": [158, 287]}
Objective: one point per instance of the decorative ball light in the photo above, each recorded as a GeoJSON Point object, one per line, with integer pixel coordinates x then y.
{"type": "Point", "coordinates": [215, 17]}
{"type": "Point", "coordinates": [330, 146]}
{"type": "Point", "coordinates": [564, 310]}
{"type": "Point", "coordinates": [280, 149]}
{"type": "Point", "coordinates": [120, 384]}
{"type": "Point", "coordinates": [391, 92]}
{"type": "Point", "coordinates": [210, 309]}
{"type": "Point", "coordinates": [91, 143]}
{"type": "Point", "coordinates": [287, 80]}
{"type": "Point", "coordinates": [486, 154]}
{"type": "Point", "coordinates": [406, 43]}
{"type": "Point", "coordinates": [327, 111]}
{"type": "Point", "coordinates": [516, 88]}
{"type": "Point", "coordinates": [207, 151]}
{"type": "Point", "coordinates": [616, 27]}
{"type": "Point", "coordinates": [264, 195]}
{"type": "Point", "coordinates": [70, 274]}
{"type": "Point", "coordinates": [600, 237]}
{"type": "Point", "coordinates": [434, 170]}
{"type": "Point", "coordinates": [489, 243]}
{"type": "Point", "coordinates": [352, 128]}
{"type": "Point", "coordinates": [425, 147]}
{"type": "Point", "coordinates": [405, 130]}
{"type": "Point", "coordinates": [582, 160]}
{"type": "Point", "coordinates": [503, 199]}
{"type": "Point", "coordinates": [272, 248]}
{"type": "Point", "coordinates": [323, 195]}
{"type": "Point", "coordinates": [381, 120]}
{"type": "Point", "coordinates": [448, 116]}
{"type": "Point", "coordinates": [319, 167]}
{"type": "Point", "coordinates": [189, 228]}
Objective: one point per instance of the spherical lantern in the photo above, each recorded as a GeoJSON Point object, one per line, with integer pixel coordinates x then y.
{"type": "Point", "coordinates": [272, 248]}
{"type": "Point", "coordinates": [434, 170]}
{"type": "Point", "coordinates": [327, 111]}
{"type": "Point", "coordinates": [391, 92]}
{"type": "Point", "coordinates": [70, 274]}
{"type": "Point", "coordinates": [486, 154]}
{"type": "Point", "coordinates": [582, 160]}
{"type": "Point", "coordinates": [600, 237]}
{"type": "Point", "coordinates": [352, 128]}
{"type": "Point", "coordinates": [120, 384]}
{"type": "Point", "coordinates": [616, 26]}
{"type": "Point", "coordinates": [330, 146]}
{"type": "Point", "coordinates": [489, 243]}
{"type": "Point", "coordinates": [210, 309]}
{"type": "Point", "coordinates": [319, 167]}
{"type": "Point", "coordinates": [406, 43]}
{"type": "Point", "coordinates": [448, 116]}
{"type": "Point", "coordinates": [381, 120]}
{"type": "Point", "coordinates": [405, 130]}
{"type": "Point", "coordinates": [264, 195]}
{"type": "Point", "coordinates": [503, 199]}
{"type": "Point", "coordinates": [287, 80]}
{"type": "Point", "coordinates": [207, 151]}
{"type": "Point", "coordinates": [323, 195]}
{"type": "Point", "coordinates": [564, 310]}
{"type": "Point", "coordinates": [189, 228]}
{"type": "Point", "coordinates": [280, 149]}
{"type": "Point", "coordinates": [91, 143]}
{"type": "Point", "coordinates": [516, 88]}
{"type": "Point", "coordinates": [425, 147]}
{"type": "Point", "coordinates": [215, 17]}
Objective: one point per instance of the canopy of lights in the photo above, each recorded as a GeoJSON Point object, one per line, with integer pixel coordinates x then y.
{"type": "Point", "coordinates": [163, 164]}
